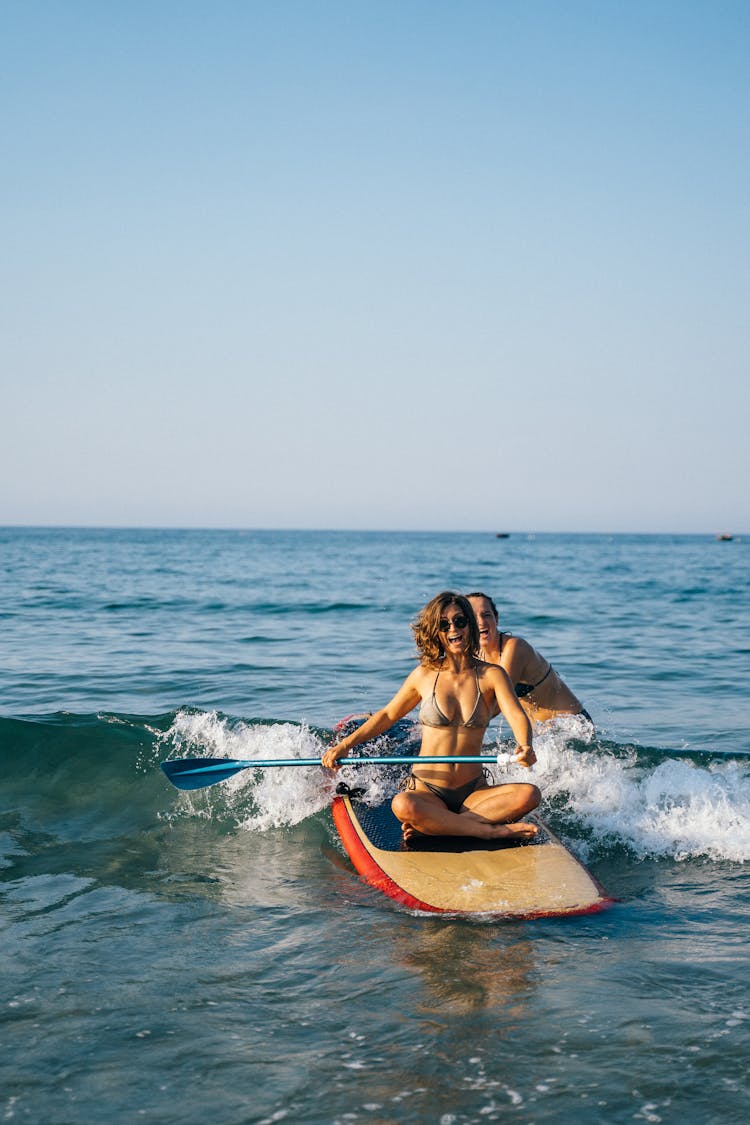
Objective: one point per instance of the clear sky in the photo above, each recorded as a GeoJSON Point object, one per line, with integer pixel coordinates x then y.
{"type": "Point", "coordinates": [401, 264]}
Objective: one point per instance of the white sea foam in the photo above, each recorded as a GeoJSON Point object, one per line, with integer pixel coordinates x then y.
{"type": "Point", "coordinates": [259, 797]}
{"type": "Point", "coordinates": [673, 808]}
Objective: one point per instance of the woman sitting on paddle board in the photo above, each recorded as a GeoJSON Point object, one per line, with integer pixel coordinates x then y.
{"type": "Point", "coordinates": [459, 694]}
{"type": "Point", "coordinates": [540, 690]}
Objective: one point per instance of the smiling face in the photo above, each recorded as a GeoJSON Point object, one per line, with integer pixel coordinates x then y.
{"type": "Point", "coordinates": [437, 629]}
{"type": "Point", "coordinates": [454, 628]}
{"type": "Point", "coordinates": [486, 620]}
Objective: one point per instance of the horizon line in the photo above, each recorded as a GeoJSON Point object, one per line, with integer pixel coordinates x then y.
{"type": "Point", "coordinates": [719, 535]}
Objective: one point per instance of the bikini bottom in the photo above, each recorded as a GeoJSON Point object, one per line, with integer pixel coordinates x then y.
{"type": "Point", "coordinates": [453, 799]}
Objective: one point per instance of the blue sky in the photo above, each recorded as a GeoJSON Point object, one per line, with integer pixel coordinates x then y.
{"type": "Point", "coordinates": [376, 264]}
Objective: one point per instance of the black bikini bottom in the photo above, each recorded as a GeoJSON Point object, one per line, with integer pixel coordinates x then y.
{"type": "Point", "coordinates": [453, 799]}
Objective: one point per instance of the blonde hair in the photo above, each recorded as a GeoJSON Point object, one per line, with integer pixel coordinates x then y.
{"type": "Point", "coordinates": [426, 628]}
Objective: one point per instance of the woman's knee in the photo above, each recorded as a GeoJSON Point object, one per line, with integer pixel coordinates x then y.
{"type": "Point", "coordinates": [402, 805]}
{"type": "Point", "coordinates": [532, 796]}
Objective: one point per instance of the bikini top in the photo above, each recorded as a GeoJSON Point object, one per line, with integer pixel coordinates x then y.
{"type": "Point", "coordinates": [526, 689]}
{"type": "Point", "coordinates": [430, 714]}
{"type": "Point", "coordinates": [522, 689]}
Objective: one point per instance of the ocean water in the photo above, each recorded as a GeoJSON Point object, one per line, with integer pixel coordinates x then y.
{"type": "Point", "coordinates": [173, 957]}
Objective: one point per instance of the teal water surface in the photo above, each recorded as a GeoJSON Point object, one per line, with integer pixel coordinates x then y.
{"type": "Point", "coordinates": [175, 957]}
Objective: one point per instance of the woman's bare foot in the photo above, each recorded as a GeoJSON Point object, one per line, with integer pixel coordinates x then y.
{"type": "Point", "coordinates": [521, 831]}
{"type": "Point", "coordinates": [482, 829]}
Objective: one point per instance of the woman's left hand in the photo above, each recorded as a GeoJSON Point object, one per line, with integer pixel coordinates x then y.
{"type": "Point", "coordinates": [525, 756]}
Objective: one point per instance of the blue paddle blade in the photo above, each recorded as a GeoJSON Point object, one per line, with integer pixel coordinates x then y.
{"type": "Point", "coordinates": [197, 773]}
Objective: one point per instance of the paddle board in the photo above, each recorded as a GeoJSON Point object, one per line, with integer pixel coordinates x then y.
{"type": "Point", "coordinates": [461, 875]}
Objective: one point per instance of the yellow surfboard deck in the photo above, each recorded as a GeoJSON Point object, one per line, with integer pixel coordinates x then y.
{"type": "Point", "coordinates": [459, 875]}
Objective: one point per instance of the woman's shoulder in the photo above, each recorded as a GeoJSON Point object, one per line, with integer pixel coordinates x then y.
{"type": "Point", "coordinates": [414, 684]}
{"type": "Point", "coordinates": [518, 658]}
{"type": "Point", "coordinates": [422, 673]}
{"type": "Point", "coordinates": [488, 672]}
{"type": "Point", "coordinates": [513, 644]}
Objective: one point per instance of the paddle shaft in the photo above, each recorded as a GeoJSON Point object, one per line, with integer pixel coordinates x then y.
{"type": "Point", "coordinates": [223, 763]}
{"type": "Point", "coordinates": [196, 773]}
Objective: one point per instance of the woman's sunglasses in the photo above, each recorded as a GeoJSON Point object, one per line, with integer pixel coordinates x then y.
{"type": "Point", "coordinates": [458, 622]}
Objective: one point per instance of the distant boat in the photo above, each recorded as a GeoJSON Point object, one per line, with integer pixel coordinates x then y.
{"type": "Point", "coordinates": [724, 538]}
{"type": "Point", "coordinates": [503, 535]}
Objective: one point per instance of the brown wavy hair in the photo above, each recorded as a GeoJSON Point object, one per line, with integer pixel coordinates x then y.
{"type": "Point", "coordinates": [426, 628]}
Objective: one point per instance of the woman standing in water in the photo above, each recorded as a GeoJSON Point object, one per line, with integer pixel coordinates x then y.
{"type": "Point", "coordinates": [459, 694]}
{"type": "Point", "coordinates": [540, 690]}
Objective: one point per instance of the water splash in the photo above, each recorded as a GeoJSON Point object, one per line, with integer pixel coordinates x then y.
{"type": "Point", "coordinates": [256, 799]}
{"type": "Point", "coordinates": [603, 794]}
{"type": "Point", "coordinates": [673, 808]}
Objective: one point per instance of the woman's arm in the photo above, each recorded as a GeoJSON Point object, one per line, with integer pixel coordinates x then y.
{"type": "Point", "coordinates": [404, 701]}
{"type": "Point", "coordinates": [514, 657]}
{"type": "Point", "coordinates": [514, 713]}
